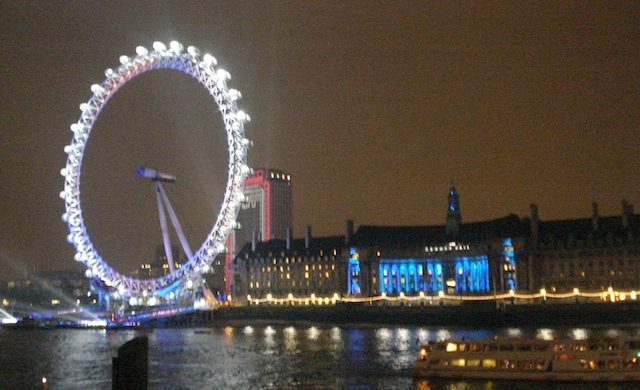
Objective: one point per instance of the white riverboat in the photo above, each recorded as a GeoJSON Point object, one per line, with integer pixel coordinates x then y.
{"type": "Point", "coordinates": [614, 360]}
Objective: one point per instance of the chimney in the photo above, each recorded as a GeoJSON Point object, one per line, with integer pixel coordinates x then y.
{"type": "Point", "coordinates": [288, 238]}
{"type": "Point", "coordinates": [307, 238]}
{"type": "Point", "coordinates": [595, 220]}
{"type": "Point", "coordinates": [535, 224]}
{"type": "Point", "coordinates": [627, 212]}
{"type": "Point", "coordinates": [254, 239]}
{"type": "Point", "coordinates": [349, 230]}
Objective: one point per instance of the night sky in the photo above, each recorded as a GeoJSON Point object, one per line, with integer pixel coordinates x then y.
{"type": "Point", "coordinates": [374, 107]}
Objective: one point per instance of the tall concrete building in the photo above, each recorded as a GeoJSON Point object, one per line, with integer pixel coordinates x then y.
{"type": "Point", "coordinates": [266, 214]}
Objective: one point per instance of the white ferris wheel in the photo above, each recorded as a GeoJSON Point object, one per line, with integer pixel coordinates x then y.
{"type": "Point", "coordinates": [215, 81]}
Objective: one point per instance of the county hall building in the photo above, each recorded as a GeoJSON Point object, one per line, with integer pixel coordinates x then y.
{"type": "Point", "coordinates": [479, 258]}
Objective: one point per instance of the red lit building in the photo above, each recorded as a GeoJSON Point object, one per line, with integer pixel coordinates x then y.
{"type": "Point", "coordinates": [265, 214]}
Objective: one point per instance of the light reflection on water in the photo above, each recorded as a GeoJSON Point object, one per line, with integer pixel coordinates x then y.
{"type": "Point", "coordinates": [515, 385]}
{"type": "Point", "coordinates": [261, 356]}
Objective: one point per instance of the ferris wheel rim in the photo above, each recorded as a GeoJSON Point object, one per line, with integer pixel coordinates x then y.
{"type": "Point", "coordinates": [214, 79]}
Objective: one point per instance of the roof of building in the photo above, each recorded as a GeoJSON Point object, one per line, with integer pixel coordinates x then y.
{"type": "Point", "coordinates": [559, 232]}
{"type": "Point", "coordinates": [571, 231]}
{"type": "Point", "coordinates": [398, 236]}
{"type": "Point", "coordinates": [297, 246]}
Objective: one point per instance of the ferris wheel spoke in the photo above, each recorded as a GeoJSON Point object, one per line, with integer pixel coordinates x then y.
{"type": "Point", "coordinates": [175, 222]}
{"type": "Point", "coordinates": [163, 227]}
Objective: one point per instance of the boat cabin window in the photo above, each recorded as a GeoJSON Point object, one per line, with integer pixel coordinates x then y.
{"type": "Point", "coordinates": [565, 356]}
{"type": "Point", "coordinates": [507, 364]}
{"type": "Point", "coordinates": [473, 363]}
{"type": "Point", "coordinates": [483, 347]}
{"type": "Point", "coordinates": [569, 347]}
{"type": "Point", "coordinates": [453, 347]}
{"type": "Point", "coordinates": [507, 347]}
{"type": "Point", "coordinates": [458, 362]}
{"type": "Point", "coordinates": [601, 364]}
{"type": "Point", "coordinates": [588, 364]}
{"type": "Point", "coordinates": [489, 363]}
{"type": "Point", "coordinates": [525, 365]}
{"type": "Point", "coordinates": [604, 347]}
{"type": "Point", "coordinates": [559, 348]}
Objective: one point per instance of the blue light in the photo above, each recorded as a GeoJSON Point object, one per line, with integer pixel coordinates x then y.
{"type": "Point", "coordinates": [170, 288]}
{"type": "Point", "coordinates": [508, 264]}
{"type": "Point", "coordinates": [411, 276]}
{"type": "Point", "coordinates": [353, 273]}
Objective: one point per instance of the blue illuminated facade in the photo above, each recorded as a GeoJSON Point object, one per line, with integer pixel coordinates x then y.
{"type": "Point", "coordinates": [460, 275]}
{"type": "Point", "coordinates": [454, 258]}
{"type": "Point", "coordinates": [353, 272]}
{"type": "Point", "coordinates": [508, 265]}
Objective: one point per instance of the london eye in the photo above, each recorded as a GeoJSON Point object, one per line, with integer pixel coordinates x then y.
{"type": "Point", "coordinates": [204, 69]}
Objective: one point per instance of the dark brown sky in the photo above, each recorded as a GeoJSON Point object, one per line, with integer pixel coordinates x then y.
{"type": "Point", "coordinates": [374, 107]}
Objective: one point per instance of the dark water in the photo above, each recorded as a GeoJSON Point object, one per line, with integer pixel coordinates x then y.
{"type": "Point", "coordinates": [260, 356]}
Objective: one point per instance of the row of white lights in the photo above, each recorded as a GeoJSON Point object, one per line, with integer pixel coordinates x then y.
{"type": "Point", "coordinates": [511, 294]}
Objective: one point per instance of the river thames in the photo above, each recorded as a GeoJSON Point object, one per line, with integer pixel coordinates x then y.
{"type": "Point", "coordinates": [262, 355]}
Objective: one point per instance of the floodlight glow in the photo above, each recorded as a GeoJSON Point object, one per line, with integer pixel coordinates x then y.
{"type": "Point", "coordinates": [159, 46]}
{"type": "Point", "coordinates": [223, 74]}
{"type": "Point", "coordinates": [193, 51]}
{"type": "Point", "coordinates": [243, 117]}
{"type": "Point", "coordinates": [175, 46]}
{"type": "Point", "coordinates": [210, 60]}
{"type": "Point", "coordinates": [234, 94]}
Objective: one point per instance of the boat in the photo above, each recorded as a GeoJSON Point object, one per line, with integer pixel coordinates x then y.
{"type": "Point", "coordinates": [602, 360]}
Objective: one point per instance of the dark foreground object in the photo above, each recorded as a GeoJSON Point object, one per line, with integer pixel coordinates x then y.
{"type": "Point", "coordinates": [131, 367]}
